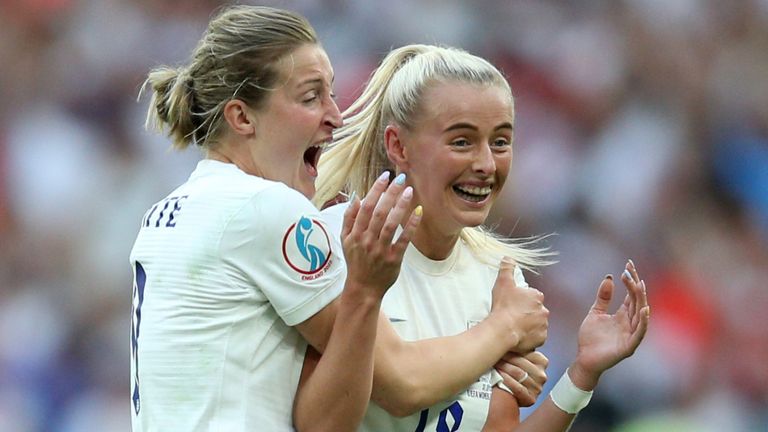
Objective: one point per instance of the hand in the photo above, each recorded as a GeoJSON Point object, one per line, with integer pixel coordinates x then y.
{"type": "Point", "coordinates": [373, 259]}
{"type": "Point", "coordinates": [605, 339]}
{"type": "Point", "coordinates": [520, 310]}
{"type": "Point", "coordinates": [525, 375]}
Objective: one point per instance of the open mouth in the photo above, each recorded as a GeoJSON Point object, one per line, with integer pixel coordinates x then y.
{"type": "Point", "coordinates": [474, 194]}
{"type": "Point", "coordinates": [311, 158]}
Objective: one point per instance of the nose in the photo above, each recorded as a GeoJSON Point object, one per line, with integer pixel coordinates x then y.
{"type": "Point", "coordinates": [484, 161]}
{"type": "Point", "coordinates": [333, 115]}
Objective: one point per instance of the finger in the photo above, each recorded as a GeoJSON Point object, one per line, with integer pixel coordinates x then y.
{"type": "Point", "coordinates": [369, 203]}
{"type": "Point", "coordinates": [632, 270]}
{"type": "Point", "coordinates": [385, 205]}
{"type": "Point", "coordinates": [604, 295]}
{"type": "Point", "coordinates": [642, 328]}
{"type": "Point", "coordinates": [635, 292]}
{"type": "Point", "coordinates": [350, 214]}
{"type": "Point", "coordinates": [536, 373]}
{"type": "Point", "coordinates": [396, 216]}
{"type": "Point", "coordinates": [409, 230]}
{"type": "Point", "coordinates": [523, 396]}
{"type": "Point", "coordinates": [537, 358]}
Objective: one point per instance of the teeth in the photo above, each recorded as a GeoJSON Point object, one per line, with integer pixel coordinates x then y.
{"type": "Point", "coordinates": [475, 190]}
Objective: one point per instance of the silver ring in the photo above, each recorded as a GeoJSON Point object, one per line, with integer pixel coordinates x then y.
{"type": "Point", "coordinates": [525, 377]}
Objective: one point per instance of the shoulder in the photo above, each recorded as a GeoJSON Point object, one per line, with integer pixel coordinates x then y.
{"type": "Point", "coordinates": [334, 217]}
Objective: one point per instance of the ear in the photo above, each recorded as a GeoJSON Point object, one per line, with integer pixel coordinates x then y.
{"type": "Point", "coordinates": [396, 151]}
{"type": "Point", "coordinates": [239, 116]}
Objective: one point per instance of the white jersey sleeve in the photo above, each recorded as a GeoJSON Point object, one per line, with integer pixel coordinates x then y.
{"type": "Point", "coordinates": [293, 258]}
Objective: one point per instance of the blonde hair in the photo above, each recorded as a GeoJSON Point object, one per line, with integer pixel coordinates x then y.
{"type": "Point", "coordinates": [235, 59]}
{"type": "Point", "coordinates": [393, 95]}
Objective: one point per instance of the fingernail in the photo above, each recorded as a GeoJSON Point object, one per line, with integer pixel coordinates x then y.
{"type": "Point", "coordinates": [648, 312]}
{"type": "Point", "coordinates": [418, 211]}
{"type": "Point", "coordinates": [626, 273]}
{"type": "Point", "coordinates": [353, 196]}
{"type": "Point", "coordinates": [609, 276]}
{"type": "Point", "coordinates": [408, 192]}
{"type": "Point", "coordinates": [631, 262]}
{"type": "Point", "coordinates": [384, 176]}
{"type": "Point", "coordinates": [400, 179]}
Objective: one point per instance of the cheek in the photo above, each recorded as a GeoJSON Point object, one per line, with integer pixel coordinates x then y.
{"type": "Point", "coordinates": [502, 168]}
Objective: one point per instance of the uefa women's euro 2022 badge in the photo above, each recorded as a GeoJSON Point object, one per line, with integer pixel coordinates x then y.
{"type": "Point", "coordinates": [307, 248]}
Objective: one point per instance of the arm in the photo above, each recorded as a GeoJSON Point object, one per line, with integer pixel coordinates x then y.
{"type": "Point", "coordinates": [410, 376]}
{"type": "Point", "coordinates": [524, 377]}
{"type": "Point", "coordinates": [604, 340]}
{"type": "Point", "coordinates": [334, 397]}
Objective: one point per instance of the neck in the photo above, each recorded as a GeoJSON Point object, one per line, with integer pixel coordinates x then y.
{"type": "Point", "coordinates": [432, 243]}
{"type": "Point", "coordinates": [221, 155]}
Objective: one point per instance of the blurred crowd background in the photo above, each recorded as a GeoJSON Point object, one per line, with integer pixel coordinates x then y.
{"type": "Point", "coordinates": [642, 132]}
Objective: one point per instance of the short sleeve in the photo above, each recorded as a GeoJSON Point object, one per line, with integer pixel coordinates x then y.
{"type": "Point", "coordinates": [334, 218]}
{"type": "Point", "coordinates": [283, 247]}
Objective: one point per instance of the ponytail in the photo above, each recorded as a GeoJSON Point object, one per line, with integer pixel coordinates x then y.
{"type": "Point", "coordinates": [357, 157]}
{"type": "Point", "coordinates": [171, 105]}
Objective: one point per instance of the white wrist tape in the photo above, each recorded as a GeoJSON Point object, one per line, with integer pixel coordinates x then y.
{"type": "Point", "coordinates": [568, 397]}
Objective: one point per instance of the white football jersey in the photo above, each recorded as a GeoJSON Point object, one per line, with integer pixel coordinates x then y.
{"type": "Point", "coordinates": [224, 266]}
{"type": "Point", "coordinates": [432, 299]}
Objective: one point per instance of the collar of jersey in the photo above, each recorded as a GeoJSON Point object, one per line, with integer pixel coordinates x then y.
{"type": "Point", "coordinates": [417, 260]}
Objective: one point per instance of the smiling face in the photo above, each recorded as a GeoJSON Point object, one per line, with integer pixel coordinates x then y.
{"type": "Point", "coordinates": [297, 119]}
{"type": "Point", "coordinates": [457, 155]}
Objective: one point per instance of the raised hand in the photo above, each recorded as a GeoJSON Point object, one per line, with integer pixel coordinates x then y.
{"type": "Point", "coordinates": [519, 310]}
{"type": "Point", "coordinates": [373, 259]}
{"type": "Point", "coordinates": [605, 339]}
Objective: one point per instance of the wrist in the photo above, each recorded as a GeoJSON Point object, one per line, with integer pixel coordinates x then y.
{"type": "Point", "coordinates": [582, 377]}
{"type": "Point", "coordinates": [567, 396]}
{"type": "Point", "coordinates": [502, 332]}
{"type": "Point", "coordinates": [361, 295]}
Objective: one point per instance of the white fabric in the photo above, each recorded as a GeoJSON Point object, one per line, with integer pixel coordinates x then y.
{"type": "Point", "coordinates": [432, 299]}
{"type": "Point", "coordinates": [225, 280]}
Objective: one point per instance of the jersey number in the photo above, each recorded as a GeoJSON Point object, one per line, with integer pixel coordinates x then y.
{"type": "Point", "coordinates": [454, 410]}
{"type": "Point", "coordinates": [140, 280]}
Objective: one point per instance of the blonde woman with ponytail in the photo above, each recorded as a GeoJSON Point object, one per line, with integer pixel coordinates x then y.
{"type": "Point", "coordinates": [443, 120]}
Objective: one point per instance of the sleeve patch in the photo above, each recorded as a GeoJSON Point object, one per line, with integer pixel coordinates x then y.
{"type": "Point", "coordinates": [307, 248]}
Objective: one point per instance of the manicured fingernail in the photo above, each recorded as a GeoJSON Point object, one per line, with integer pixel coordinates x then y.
{"type": "Point", "coordinates": [419, 211]}
{"type": "Point", "coordinates": [353, 196]}
{"type": "Point", "coordinates": [627, 275]}
{"type": "Point", "coordinates": [400, 179]}
{"type": "Point", "coordinates": [384, 176]}
{"type": "Point", "coordinates": [647, 311]}
{"type": "Point", "coordinates": [631, 262]}
{"type": "Point", "coordinates": [609, 276]}
{"type": "Point", "coordinates": [408, 192]}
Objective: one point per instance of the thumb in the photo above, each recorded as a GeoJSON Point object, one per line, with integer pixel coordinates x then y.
{"type": "Point", "coordinates": [604, 295]}
{"type": "Point", "coordinates": [506, 270]}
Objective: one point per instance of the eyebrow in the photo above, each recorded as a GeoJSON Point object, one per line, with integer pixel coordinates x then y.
{"type": "Point", "coordinates": [314, 81]}
{"type": "Point", "coordinates": [456, 126]}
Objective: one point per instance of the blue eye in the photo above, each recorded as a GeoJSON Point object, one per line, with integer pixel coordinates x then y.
{"type": "Point", "coordinates": [500, 143]}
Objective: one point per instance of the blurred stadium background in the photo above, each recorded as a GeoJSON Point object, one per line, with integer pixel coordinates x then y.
{"type": "Point", "coordinates": [642, 132]}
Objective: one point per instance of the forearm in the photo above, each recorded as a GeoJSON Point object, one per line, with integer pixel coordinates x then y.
{"type": "Point", "coordinates": [411, 376]}
{"type": "Point", "coordinates": [335, 396]}
{"type": "Point", "coordinates": [503, 411]}
{"type": "Point", "coordinates": [549, 416]}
